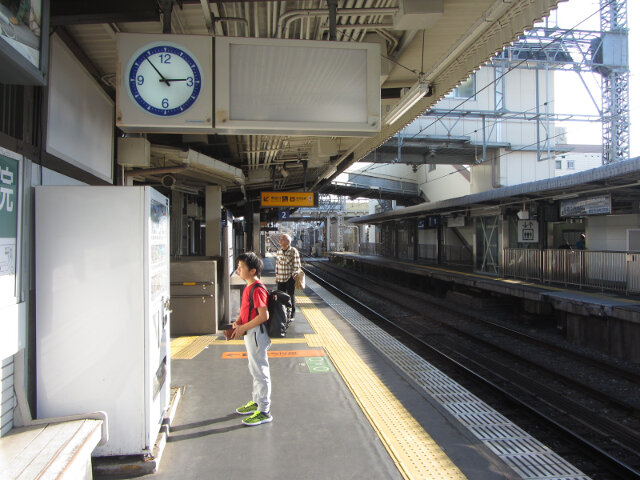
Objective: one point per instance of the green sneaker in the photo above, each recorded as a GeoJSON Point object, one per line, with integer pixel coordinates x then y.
{"type": "Point", "coordinates": [257, 419]}
{"type": "Point", "coordinates": [247, 409]}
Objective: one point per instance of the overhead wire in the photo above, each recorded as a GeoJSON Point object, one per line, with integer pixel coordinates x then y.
{"type": "Point", "coordinates": [497, 158]}
{"type": "Point", "coordinates": [511, 68]}
{"type": "Point", "coordinates": [490, 84]}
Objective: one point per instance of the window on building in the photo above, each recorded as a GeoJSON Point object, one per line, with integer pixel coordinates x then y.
{"type": "Point", "coordinates": [432, 167]}
{"type": "Point", "coordinates": [466, 89]}
{"type": "Point", "coordinates": [571, 165]}
{"type": "Point", "coordinates": [558, 164]}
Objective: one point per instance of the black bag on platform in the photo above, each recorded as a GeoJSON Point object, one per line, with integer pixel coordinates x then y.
{"type": "Point", "coordinates": [279, 306]}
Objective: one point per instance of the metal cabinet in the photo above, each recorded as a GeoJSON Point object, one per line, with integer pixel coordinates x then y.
{"type": "Point", "coordinates": [194, 297]}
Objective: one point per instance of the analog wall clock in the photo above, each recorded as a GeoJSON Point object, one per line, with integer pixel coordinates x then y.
{"type": "Point", "coordinates": [164, 79]}
{"type": "Point", "coordinates": [164, 83]}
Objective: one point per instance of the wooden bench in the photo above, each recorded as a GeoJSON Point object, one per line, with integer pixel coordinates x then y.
{"type": "Point", "coordinates": [45, 451]}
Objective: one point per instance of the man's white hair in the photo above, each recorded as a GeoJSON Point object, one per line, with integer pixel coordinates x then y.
{"type": "Point", "coordinates": [287, 236]}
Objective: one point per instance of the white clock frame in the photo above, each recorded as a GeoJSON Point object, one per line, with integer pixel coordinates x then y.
{"type": "Point", "coordinates": [132, 118]}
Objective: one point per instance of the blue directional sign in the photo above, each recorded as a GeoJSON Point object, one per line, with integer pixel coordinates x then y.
{"type": "Point", "coordinates": [283, 215]}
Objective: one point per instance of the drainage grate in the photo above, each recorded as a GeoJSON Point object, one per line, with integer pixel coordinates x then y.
{"type": "Point", "coordinates": [523, 453]}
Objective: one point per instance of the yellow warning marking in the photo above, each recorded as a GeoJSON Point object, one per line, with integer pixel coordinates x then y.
{"type": "Point", "coordinates": [415, 453]}
{"type": "Point", "coordinates": [187, 348]}
{"type": "Point", "coordinates": [300, 300]}
{"type": "Point", "coordinates": [275, 341]}
{"type": "Point", "coordinates": [277, 354]}
{"type": "Point", "coordinates": [179, 343]}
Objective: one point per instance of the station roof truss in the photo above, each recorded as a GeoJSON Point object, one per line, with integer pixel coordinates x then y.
{"type": "Point", "coordinates": [621, 179]}
{"type": "Point", "coordinates": [463, 37]}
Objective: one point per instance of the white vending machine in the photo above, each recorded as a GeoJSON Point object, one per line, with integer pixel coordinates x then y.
{"type": "Point", "coordinates": [102, 309]}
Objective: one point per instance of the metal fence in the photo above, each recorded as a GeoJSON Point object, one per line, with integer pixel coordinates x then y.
{"type": "Point", "coordinates": [427, 252]}
{"type": "Point", "coordinates": [370, 249]}
{"type": "Point", "coordinates": [451, 254]}
{"type": "Point", "coordinates": [617, 271]}
{"type": "Point", "coordinates": [458, 255]}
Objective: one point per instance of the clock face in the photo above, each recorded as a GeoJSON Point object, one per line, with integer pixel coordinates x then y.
{"type": "Point", "coordinates": [164, 79]}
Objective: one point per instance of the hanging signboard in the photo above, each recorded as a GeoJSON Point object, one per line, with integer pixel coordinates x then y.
{"type": "Point", "coordinates": [288, 199]}
{"type": "Point", "coordinates": [455, 221]}
{"type": "Point", "coordinates": [578, 207]}
{"type": "Point", "coordinates": [527, 231]}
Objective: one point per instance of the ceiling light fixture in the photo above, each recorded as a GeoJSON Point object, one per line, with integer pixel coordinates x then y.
{"type": "Point", "coordinates": [408, 100]}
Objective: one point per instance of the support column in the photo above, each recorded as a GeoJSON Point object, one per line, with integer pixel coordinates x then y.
{"type": "Point", "coordinates": [213, 218]}
{"type": "Point", "coordinates": [177, 223]}
{"type": "Point", "coordinates": [255, 235]}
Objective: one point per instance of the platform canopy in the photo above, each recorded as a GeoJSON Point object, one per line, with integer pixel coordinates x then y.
{"type": "Point", "coordinates": [431, 46]}
{"type": "Point", "coordinates": [617, 181]}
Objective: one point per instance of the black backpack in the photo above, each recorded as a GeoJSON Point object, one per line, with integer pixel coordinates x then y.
{"type": "Point", "coordinates": [279, 307]}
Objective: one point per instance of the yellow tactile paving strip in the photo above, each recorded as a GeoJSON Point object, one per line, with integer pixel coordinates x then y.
{"type": "Point", "coordinates": [186, 348]}
{"type": "Point", "coordinates": [413, 450]}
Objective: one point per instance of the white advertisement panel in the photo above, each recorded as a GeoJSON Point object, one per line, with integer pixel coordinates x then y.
{"type": "Point", "coordinates": [80, 115]}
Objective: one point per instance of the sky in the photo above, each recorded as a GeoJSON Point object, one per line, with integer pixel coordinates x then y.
{"type": "Point", "coordinates": [572, 97]}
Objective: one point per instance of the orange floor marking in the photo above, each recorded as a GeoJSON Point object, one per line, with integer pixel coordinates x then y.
{"type": "Point", "coordinates": [278, 354]}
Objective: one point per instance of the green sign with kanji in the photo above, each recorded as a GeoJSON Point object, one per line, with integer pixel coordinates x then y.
{"type": "Point", "coordinates": [8, 214]}
{"type": "Point", "coordinates": [8, 197]}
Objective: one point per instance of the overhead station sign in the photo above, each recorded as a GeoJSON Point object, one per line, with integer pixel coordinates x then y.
{"type": "Point", "coordinates": [288, 199]}
{"type": "Point", "coordinates": [598, 205]}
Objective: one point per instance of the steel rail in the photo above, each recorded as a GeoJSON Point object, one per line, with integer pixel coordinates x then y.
{"type": "Point", "coordinates": [612, 463]}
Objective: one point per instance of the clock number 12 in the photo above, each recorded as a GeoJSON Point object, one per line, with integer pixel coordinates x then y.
{"type": "Point", "coordinates": [165, 58]}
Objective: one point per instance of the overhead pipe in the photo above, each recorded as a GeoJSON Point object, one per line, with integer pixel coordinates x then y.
{"type": "Point", "coordinates": [208, 16]}
{"type": "Point", "coordinates": [153, 171]}
{"type": "Point", "coordinates": [333, 9]}
{"type": "Point", "coordinates": [235, 19]}
{"type": "Point", "coordinates": [361, 26]}
{"type": "Point", "coordinates": [288, 17]}
{"type": "Point", "coordinates": [166, 9]}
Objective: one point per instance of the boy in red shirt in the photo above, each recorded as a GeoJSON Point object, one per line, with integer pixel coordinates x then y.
{"type": "Point", "coordinates": [256, 340]}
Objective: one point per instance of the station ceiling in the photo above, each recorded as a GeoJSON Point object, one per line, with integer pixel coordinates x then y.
{"type": "Point", "coordinates": [465, 35]}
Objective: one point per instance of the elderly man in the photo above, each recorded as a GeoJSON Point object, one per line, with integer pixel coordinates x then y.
{"type": "Point", "coordinates": [287, 268]}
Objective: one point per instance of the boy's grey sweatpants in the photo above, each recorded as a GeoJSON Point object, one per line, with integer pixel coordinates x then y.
{"type": "Point", "coordinates": [257, 343]}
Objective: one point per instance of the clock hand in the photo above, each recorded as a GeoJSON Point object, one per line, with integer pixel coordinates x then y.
{"type": "Point", "coordinates": [162, 79]}
{"type": "Point", "coordinates": [176, 79]}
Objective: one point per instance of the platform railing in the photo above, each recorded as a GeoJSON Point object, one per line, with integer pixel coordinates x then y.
{"type": "Point", "coordinates": [427, 252]}
{"type": "Point", "coordinates": [461, 255]}
{"type": "Point", "coordinates": [604, 270]}
{"type": "Point", "coordinates": [370, 249]}
{"type": "Point", "coordinates": [523, 263]}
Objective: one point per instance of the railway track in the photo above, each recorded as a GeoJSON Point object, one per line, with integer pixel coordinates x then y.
{"type": "Point", "coordinates": [592, 400]}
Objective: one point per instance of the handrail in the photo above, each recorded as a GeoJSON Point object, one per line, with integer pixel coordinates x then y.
{"type": "Point", "coordinates": [601, 269]}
